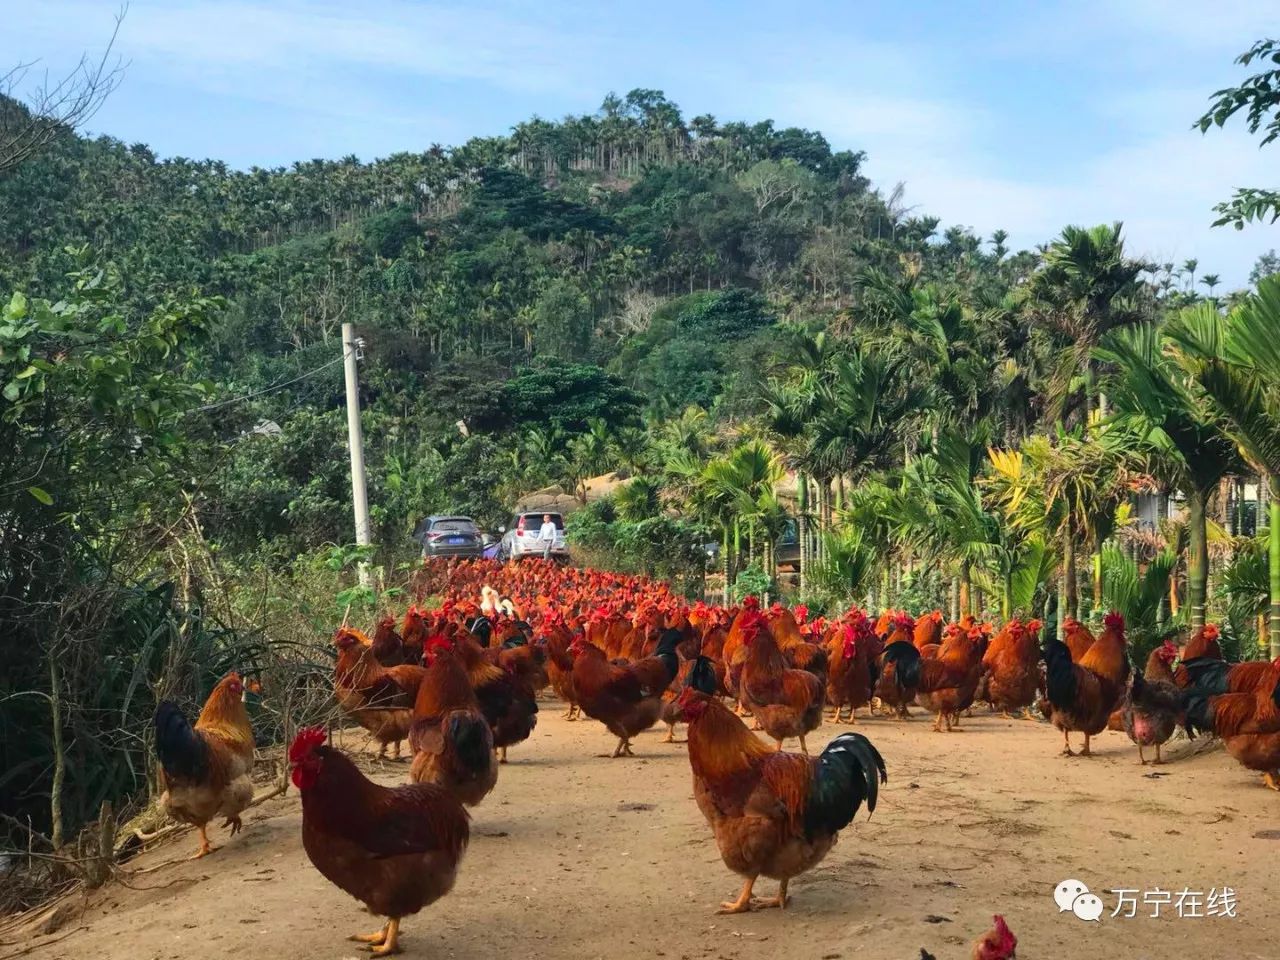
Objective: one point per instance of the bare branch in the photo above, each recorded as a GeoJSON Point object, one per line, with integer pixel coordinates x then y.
{"type": "Point", "coordinates": [29, 124]}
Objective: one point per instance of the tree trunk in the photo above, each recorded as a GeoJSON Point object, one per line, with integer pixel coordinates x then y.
{"type": "Point", "coordinates": [966, 588]}
{"type": "Point", "coordinates": [724, 562]}
{"type": "Point", "coordinates": [1097, 579]}
{"type": "Point", "coordinates": [1197, 557]}
{"type": "Point", "coordinates": [1006, 599]}
{"type": "Point", "coordinates": [1273, 551]}
{"type": "Point", "coordinates": [802, 526]}
{"type": "Point", "coordinates": [1072, 597]}
{"type": "Point", "coordinates": [59, 752]}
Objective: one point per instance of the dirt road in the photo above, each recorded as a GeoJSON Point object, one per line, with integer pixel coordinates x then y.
{"type": "Point", "coordinates": [576, 855]}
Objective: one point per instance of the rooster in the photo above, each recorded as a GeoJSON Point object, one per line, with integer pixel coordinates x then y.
{"type": "Point", "coordinates": [889, 691]}
{"type": "Point", "coordinates": [786, 702]}
{"type": "Point", "coordinates": [1248, 724]}
{"type": "Point", "coordinates": [506, 699]}
{"type": "Point", "coordinates": [626, 699]}
{"type": "Point", "coordinates": [451, 739]}
{"type": "Point", "coordinates": [1012, 664]}
{"type": "Point", "coordinates": [1082, 695]}
{"type": "Point", "coordinates": [205, 769]}
{"type": "Point", "coordinates": [1203, 645]}
{"type": "Point", "coordinates": [773, 814]}
{"type": "Point", "coordinates": [849, 678]}
{"type": "Point", "coordinates": [1077, 638]}
{"type": "Point", "coordinates": [395, 849]}
{"type": "Point", "coordinates": [945, 684]}
{"type": "Point", "coordinates": [998, 943]}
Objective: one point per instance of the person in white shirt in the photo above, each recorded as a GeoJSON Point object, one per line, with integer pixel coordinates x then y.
{"type": "Point", "coordinates": [547, 536]}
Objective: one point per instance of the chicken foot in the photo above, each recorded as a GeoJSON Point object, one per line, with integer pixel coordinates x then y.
{"type": "Point", "coordinates": [623, 749]}
{"type": "Point", "coordinates": [205, 848]}
{"type": "Point", "coordinates": [235, 824]}
{"type": "Point", "coordinates": [385, 941]}
{"type": "Point", "coordinates": [1272, 779]}
{"type": "Point", "coordinates": [502, 754]}
{"type": "Point", "coordinates": [746, 902]}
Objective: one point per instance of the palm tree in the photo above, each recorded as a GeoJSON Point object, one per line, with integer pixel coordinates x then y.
{"type": "Point", "coordinates": [1189, 268]}
{"type": "Point", "coordinates": [1086, 287]}
{"type": "Point", "coordinates": [1160, 417]}
{"type": "Point", "coordinates": [1236, 361]}
{"type": "Point", "coordinates": [1211, 280]}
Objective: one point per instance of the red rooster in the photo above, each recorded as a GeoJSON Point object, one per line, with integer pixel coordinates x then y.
{"type": "Point", "coordinates": [395, 849]}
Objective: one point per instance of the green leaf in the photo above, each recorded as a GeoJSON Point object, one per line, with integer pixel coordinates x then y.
{"type": "Point", "coordinates": [44, 496]}
{"type": "Point", "coordinates": [11, 391]}
{"type": "Point", "coordinates": [30, 371]}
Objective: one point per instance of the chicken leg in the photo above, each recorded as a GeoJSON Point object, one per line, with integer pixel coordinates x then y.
{"type": "Point", "coordinates": [1272, 779]}
{"type": "Point", "coordinates": [385, 942]}
{"type": "Point", "coordinates": [743, 904]}
{"type": "Point", "coordinates": [205, 847]}
{"type": "Point", "coordinates": [780, 901]}
{"type": "Point", "coordinates": [1066, 750]}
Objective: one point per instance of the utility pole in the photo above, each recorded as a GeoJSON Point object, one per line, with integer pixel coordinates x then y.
{"type": "Point", "coordinates": [355, 440]}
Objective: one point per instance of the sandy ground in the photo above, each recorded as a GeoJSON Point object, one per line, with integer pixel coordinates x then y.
{"type": "Point", "coordinates": [577, 855]}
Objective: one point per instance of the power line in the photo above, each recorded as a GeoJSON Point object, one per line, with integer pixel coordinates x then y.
{"type": "Point", "coordinates": [275, 386]}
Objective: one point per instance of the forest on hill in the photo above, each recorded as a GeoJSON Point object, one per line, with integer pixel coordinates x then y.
{"type": "Point", "coordinates": [700, 306]}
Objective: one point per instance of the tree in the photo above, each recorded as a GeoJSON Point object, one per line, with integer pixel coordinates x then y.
{"type": "Point", "coordinates": [29, 124]}
{"type": "Point", "coordinates": [1086, 287]}
{"type": "Point", "coordinates": [1236, 361]}
{"type": "Point", "coordinates": [1159, 415]}
{"type": "Point", "coordinates": [1259, 97]}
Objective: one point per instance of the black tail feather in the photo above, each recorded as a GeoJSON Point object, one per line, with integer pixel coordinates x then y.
{"type": "Point", "coordinates": [1208, 675]}
{"type": "Point", "coordinates": [906, 663]}
{"type": "Point", "coordinates": [1060, 674]}
{"type": "Point", "coordinates": [849, 773]}
{"type": "Point", "coordinates": [182, 751]}
{"type": "Point", "coordinates": [471, 738]}
{"type": "Point", "coordinates": [1197, 717]}
{"type": "Point", "coordinates": [702, 677]}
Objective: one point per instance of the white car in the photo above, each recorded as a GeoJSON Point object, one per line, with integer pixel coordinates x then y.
{"type": "Point", "coordinates": [520, 540]}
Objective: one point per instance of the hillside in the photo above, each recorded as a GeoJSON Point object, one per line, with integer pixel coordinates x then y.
{"type": "Point", "coordinates": [660, 249]}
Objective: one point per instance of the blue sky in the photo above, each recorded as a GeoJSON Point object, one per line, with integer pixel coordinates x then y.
{"type": "Point", "coordinates": [1025, 116]}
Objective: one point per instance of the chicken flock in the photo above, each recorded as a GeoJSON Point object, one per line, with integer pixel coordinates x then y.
{"type": "Point", "coordinates": [459, 685]}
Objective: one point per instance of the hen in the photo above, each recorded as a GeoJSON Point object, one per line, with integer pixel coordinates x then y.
{"type": "Point", "coordinates": [773, 814]}
{"type": "Point", "coordinates": [1153, 703]}
{"type": "Point", "coordinates": [626, 699]}
{"type": "Point", "coordinates": [378, 698]}
{"type": "Point", "coordinates": [205, 769]}
{"type": "Point", "coordinates": [785, 702]}
{"type": "Point", "coordinates": [395, 849]}
{"type": "Point", "coordinates": [1082, 695]}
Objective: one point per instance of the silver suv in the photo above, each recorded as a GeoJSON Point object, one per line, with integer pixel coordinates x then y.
{"type": "Point", "coordinates": [521, 539]}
